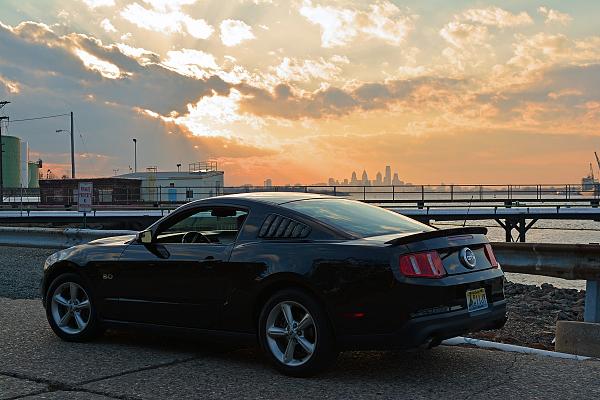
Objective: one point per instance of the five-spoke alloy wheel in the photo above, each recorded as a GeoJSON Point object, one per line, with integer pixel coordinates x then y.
{"type": "Point", "coordinates": [291, 333]}
{"type": "Point", "coordinates": [70, 309]}
{"type": "Point", "coordinates": [295, 333]}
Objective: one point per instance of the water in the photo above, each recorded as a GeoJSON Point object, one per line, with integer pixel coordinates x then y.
{"type": "Point", "coordinates": [544, 231]}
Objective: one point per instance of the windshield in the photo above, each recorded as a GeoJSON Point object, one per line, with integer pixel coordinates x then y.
{"type": "Point", "coordinates": [356, 218]}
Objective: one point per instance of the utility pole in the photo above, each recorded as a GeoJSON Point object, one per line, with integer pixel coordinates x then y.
{"type": "Point", "coordinates": [2, 104]}
{"type": "Point", "coordinates": [72, 150]}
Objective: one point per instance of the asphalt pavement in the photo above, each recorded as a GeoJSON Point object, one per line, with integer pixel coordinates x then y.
{"type": "Point", "coordinates": [35, 364]}
{"type": "Point", "coordinates": [21, 271]}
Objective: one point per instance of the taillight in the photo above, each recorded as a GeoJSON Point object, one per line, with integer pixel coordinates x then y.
{"type": "Point", "coordinates": [422, 265]}
{"type": "Point", "coordinates": [489, 253]}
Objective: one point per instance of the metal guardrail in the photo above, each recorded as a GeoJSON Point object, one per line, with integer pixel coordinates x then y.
{"type": "Point", "coordinates": [566, 261]}
{"type": "Point", "coordinates": [59, 193]}
{"type": "Point", "coordinates": [52, 238]}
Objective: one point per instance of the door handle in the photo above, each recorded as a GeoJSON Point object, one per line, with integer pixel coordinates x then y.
{"type": "Point", "coordinates": [209, 262]}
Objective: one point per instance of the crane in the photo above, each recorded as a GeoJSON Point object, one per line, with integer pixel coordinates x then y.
{"type": "Point", "coordinates": [597, 160]}
{"type": "Point", "coordinates": [592, 173]}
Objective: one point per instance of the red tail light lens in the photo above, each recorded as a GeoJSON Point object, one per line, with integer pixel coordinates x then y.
{"type": "Point", "coordinates": [490, 256]}
{"type": "Point", "coordinates": [422, 265]}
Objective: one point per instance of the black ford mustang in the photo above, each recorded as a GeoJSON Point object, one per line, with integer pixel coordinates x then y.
{"type": "Point", "coordinates": [306, 275]}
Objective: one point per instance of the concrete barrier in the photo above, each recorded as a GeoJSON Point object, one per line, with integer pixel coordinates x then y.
{"type": "Point", "coordinates": [53, 238]}
{"type": "Point", "coordinates": [582, 338]}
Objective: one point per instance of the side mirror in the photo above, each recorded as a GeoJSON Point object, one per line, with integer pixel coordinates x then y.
{"type": "Point", "coordinates": [145, 237]}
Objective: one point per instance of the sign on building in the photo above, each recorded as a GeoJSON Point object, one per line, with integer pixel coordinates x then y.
{"type": "Point", "coordinates": [84, 201]}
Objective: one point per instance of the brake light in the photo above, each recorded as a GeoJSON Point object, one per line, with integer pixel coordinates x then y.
{"type": "Point", "coordinates": [422, 265]}
{"type": "Point", "coordinates": [489, 253]}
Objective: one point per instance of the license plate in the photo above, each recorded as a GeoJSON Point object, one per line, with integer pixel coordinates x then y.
{"type": "Point", "coordinates": [476, 300]}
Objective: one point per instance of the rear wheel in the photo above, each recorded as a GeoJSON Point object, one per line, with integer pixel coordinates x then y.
{"type": "Point", "coordinates": [295, 333]}
{"type": "Point", "coordinates": [70, 308]}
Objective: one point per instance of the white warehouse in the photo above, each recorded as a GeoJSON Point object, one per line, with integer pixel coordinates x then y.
{"type": "Point", "coordinates": [202, 180]}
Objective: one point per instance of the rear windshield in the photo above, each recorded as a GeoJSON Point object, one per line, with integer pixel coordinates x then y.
{"type": "Point", "coordinates": [356, 218]}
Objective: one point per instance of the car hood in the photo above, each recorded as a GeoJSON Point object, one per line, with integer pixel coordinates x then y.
{"type": "Point", "coordinates": [113, 240]}
{"type": "Point", "coordinates": [108, 248]}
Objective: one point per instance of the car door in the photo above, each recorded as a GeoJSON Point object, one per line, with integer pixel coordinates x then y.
{"type": "Point", "coordinates": [175, 283]}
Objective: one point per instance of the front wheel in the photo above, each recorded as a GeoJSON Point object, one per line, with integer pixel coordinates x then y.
{"type": "Point", "coordinates": [295, 333]}
{"type": "Point", "coordinates": [70, 308]}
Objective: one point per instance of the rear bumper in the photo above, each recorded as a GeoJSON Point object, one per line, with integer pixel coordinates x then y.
{"type": "Point", "coordinates": [430, 329]}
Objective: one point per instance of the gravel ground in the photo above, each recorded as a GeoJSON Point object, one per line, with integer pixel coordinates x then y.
{"type": "Point", "coordinates": [532, 310]}
{"type": "Point", "coordinates": [21, 271]}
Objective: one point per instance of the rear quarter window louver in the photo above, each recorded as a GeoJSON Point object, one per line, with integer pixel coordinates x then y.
{"type": "Point", "coordinates": [279, 227]}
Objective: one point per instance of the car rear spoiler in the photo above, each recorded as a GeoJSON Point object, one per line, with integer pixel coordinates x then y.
{"type": "Point", "coordinates": [415, 237]}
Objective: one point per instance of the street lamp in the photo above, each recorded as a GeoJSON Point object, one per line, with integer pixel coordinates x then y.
{"type": "Point", "coordinates": [134, 155]}
{"type": "Point", "coordinates": [72, 151]}
{"type": "Point", "coordinates": [2, 104]}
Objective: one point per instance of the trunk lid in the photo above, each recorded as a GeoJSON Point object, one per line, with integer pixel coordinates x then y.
{"type": "Point", "coordinates": [451, 245]}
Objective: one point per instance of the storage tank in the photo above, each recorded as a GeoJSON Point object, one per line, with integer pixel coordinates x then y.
{"type": "Point", "coordinates": [11, 161]}
{"type": "Point", "coordinates": [33, 172]}
{"type": "Point", "coordinates": [23, 164]}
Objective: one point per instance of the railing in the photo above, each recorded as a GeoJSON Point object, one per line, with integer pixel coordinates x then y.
{"type": "Point", "coordinates": [418, 195]}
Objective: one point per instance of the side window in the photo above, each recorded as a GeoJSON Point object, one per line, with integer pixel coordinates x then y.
{"type": "Point", "coordinates": [207, 225]}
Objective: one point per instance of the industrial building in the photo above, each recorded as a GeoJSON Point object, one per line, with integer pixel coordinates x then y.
{"type": "Point", "coordinates": [106, 191]}
{"type": "Point", "coordinates": [17, 170]}
{"type": "Point", "coordinates": [201, 180]}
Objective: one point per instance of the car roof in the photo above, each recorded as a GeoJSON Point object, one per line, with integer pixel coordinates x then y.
{"type": "Point", "coordinates": [272, 197]}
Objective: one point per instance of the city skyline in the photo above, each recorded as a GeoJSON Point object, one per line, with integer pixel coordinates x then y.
{"type": "Point", "coordinates": [380, 180]}
{"type": "Point", "coordinates": [297, 91]}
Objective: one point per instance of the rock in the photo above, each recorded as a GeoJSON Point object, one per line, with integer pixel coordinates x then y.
{"type": "Point", "coordinates": [546, 287]}
{"type": "Point", "coordinates": [563, 316]}
{"type": "Point", "coordinates": [533, 312]}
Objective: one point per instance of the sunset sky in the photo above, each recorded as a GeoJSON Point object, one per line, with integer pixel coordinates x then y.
{"type": "Point", "coordinates": [300, 91]}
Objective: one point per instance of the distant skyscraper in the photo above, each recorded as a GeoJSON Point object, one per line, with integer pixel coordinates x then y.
{"type": "Point", "coordinates": [354, 179]}
{"type": "Point", "coordinates": [387, 180]}
{"type": "Point", "coordinates": [378, 180]}
{"type": "Point", "coordinates": [396, 180]}
{"type": "Point", "coordinates": [331, 182]}
{"type": "Point", "coordinates": [268, 183]}
{"type": "Point", "coordinates": [365, 178]}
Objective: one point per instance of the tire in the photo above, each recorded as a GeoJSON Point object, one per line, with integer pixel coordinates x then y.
{"type": "Point", "coordinates": [71, 308]}
{"type": "Point", "coordinates": [307, 345]}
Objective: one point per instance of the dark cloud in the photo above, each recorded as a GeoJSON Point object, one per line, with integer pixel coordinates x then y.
{"type": "Point", "coordinates": [34, 55]}
{"type": "Point", "coordinates": [283, 102]}
{"type": "Point", "coordinates": [53, 80]}
{"type": "Point", "coordinates": [560, 91]}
